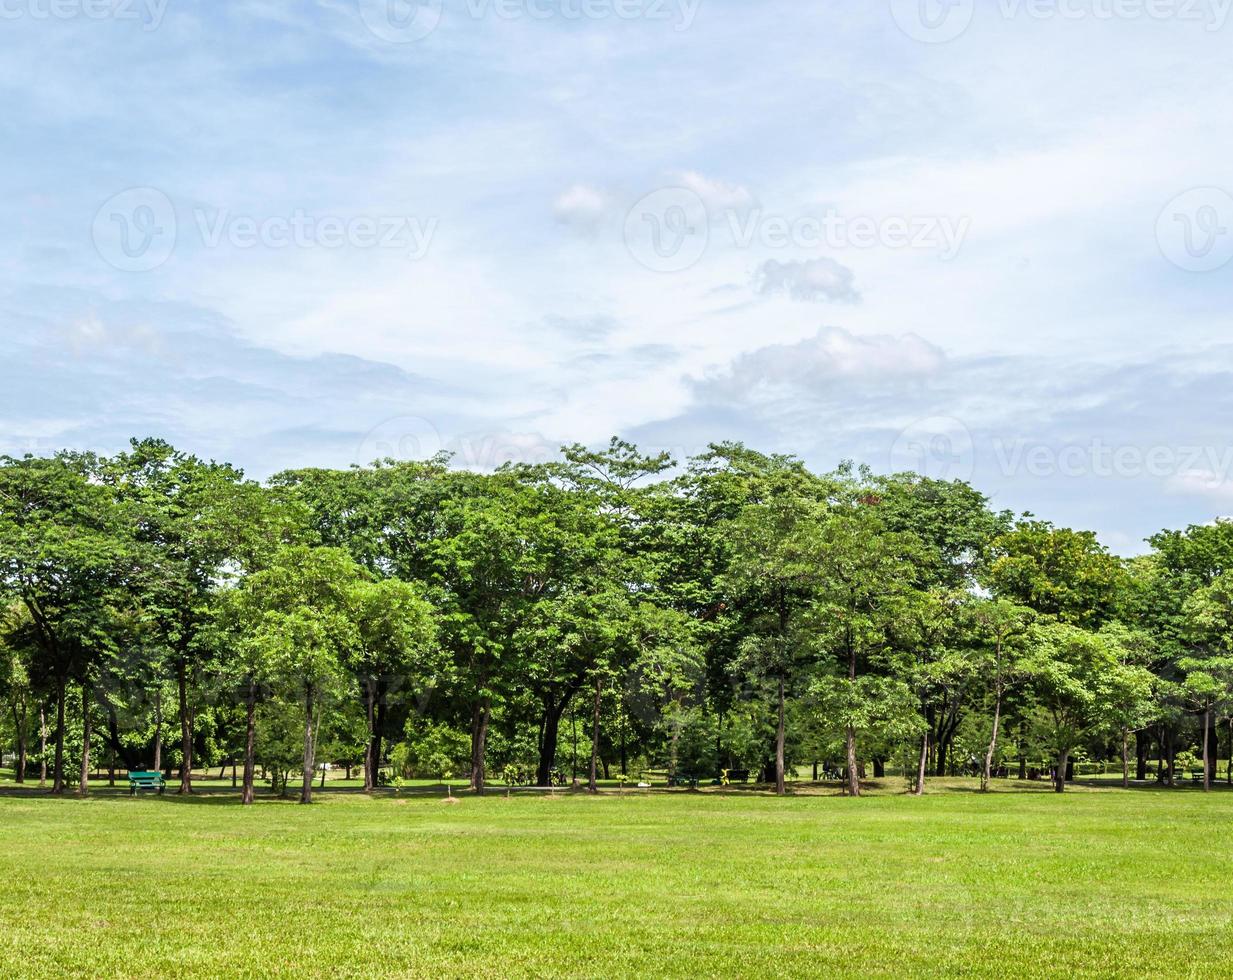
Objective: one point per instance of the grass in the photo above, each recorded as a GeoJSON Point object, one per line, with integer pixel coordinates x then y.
{"type": "Point", "coordinates": [1098, 882]}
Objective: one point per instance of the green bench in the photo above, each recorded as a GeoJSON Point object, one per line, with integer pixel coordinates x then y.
{"type": "Point", "coordinates": [145, 780]}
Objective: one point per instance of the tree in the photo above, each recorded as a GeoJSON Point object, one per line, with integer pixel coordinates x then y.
{"type": "Point", "coordinates": [1000, 627]}
{"type": "Point", "coordinates": [1209, 668]}
{"type": "Point", "coordinates": [297, 617]}
{"type": "Point", "coordinates": [197, 522]}
{"type": "Point", "coordinates": [1059, 572]}
{"type": "Point", "coordinates": [775, 545]}
{"type": "Point", "coordinates": [865, 587]}
{"type": "Point", "coordinates": [15, 682]}
{"type": "Point", "coordinates": [1080, 679]}
{"type": "Point", "coordinates": [395, 637]}
{"type": "Point", "coordinates": [64, 554]}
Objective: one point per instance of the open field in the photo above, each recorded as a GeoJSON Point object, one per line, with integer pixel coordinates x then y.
{"type": "Point", "coordinates": [1094, 883]}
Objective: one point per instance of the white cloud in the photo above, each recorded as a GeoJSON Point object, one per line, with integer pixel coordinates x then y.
{"type": "Point", "coordinates": [810, 281]}
{"type": "Point", "coordinates": [581, 207]}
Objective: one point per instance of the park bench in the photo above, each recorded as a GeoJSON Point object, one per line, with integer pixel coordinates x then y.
{"type": "Point", "coordinates": [145, 780]}
{"type": "Point", "coordinates": [689, 780]}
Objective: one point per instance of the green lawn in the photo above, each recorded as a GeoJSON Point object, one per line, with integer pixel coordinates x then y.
{"type": "Point", "coordinates": [1019, 882]}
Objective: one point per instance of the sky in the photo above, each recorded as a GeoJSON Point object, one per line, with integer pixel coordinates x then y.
{"type": "Point", "coordinates": [982, 239]}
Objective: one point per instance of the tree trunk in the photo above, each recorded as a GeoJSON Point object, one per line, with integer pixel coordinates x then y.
{"type": "Point", "coordinates": [306, 790]}
{"type": "Point", "coordinates": [1143, 745]}
{"type": "Point", "coordinates": [1059, 778]}
{"type": "Point", "coordinates": [479, 742]}
{"type": "Point", "coordinates": [987, 772]}
{"type": "Point", "coordinates": [1213, 746]}
{"type": "Point", "coordinates": [371, 750]}
{"type": "Point", "coordinates": [186, 732]}
{"type": "Point", "coordinates": [550, 729]}
{"type": "Point", "coordinates": [1229, 771]}
{"type": "Point", "coordinates": [1207, 769]}
{"type": "Point", "coordinates": [42, 746]}
{"type": "Point", "coordinates": [1125, 759]}
{"type": "Point", "coordinates": [593, 782]}
{"type": "Point", "coordinates": [158, 730]}
{"type": "Point", "coordinates": [250, 742]}
{"type": "Point", "coordinates": [57, 774]}
{"type": "Point", "coordinates": [780, 786]}
{"type": "Point", "coordinates": [84, 786]}
{"type": "Point", "coordinates": [943, 748]}
{"type": "Point", "coordinates": [19, 725]}
{"type": "Point", "coordinates": [922, 765]}
{"type": "Point", "coordinates": [854, 777]}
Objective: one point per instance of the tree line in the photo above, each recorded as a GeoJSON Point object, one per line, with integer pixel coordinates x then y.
{"type": "Point", "coordinates": [610, 609]}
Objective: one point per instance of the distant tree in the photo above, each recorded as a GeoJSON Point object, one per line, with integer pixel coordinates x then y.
{"type": "Point", "coordinates": [1080, 680]}
{"type": "Point", "coordinates": [1059, 572]}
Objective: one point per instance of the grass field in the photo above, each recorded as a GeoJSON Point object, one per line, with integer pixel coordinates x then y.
{"type": "Point", "coordinates": [1017, 882]}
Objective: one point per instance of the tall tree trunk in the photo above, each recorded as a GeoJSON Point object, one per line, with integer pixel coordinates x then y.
{"type": "Point", "coordinates": [780, 785]}
{"type": "Point", "coordinates": [479, 743]}
{"type": "Point", "coordinates": [84, 786]}
{"type": "Point", "coordinates": [19, 726]}
{"type": "Point", "coordinates": [1229, 771]}
{"type": "Point", "coordinates": [922, 765]}
{"type": "Point", "coordinates": [250, 743]}
{"type": "Point", "coordinates": [42, 745]}
{"type": "Point", "coordinates": [1059, 779]}
{"type": "Point", "coordinates": [158, 730]}
{"type": "Point", "coordinates": [854, 776]}
{"type": "Point", "coordinates": [306, 790]}
{"type": "Point", "coordinates": [371, 749]}
{"type": "Point", "coordinates": [57, 774]}
{"type": "Point", "coordinates": [1125, 758]}
{"type": "Point", "coordinates": [1212, 741]}
{"type": "Point", "coordinates": [986, 772]}
{"type": "Point", "coordinates": [942, 748]}
{"type": "Point", "coordinates": [186, 732]}
{"type": "Point", "coordinates": [1143, 745]}
{"type": "Point", "coordinates": [1207, 768]}
{"type": "Point", "coordinates": [550, 730]}
{"type": "Point", "coordinates": [593, 781]}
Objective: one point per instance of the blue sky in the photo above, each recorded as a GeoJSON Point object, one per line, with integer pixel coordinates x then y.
{"type": "Point", "coordinates": [990, 241]}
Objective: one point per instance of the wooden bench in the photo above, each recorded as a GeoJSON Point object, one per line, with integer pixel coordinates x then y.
{"type": "Point", "coordinates": [688, 780]}
{"type": "Point", "coordinates": [145, 780]}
